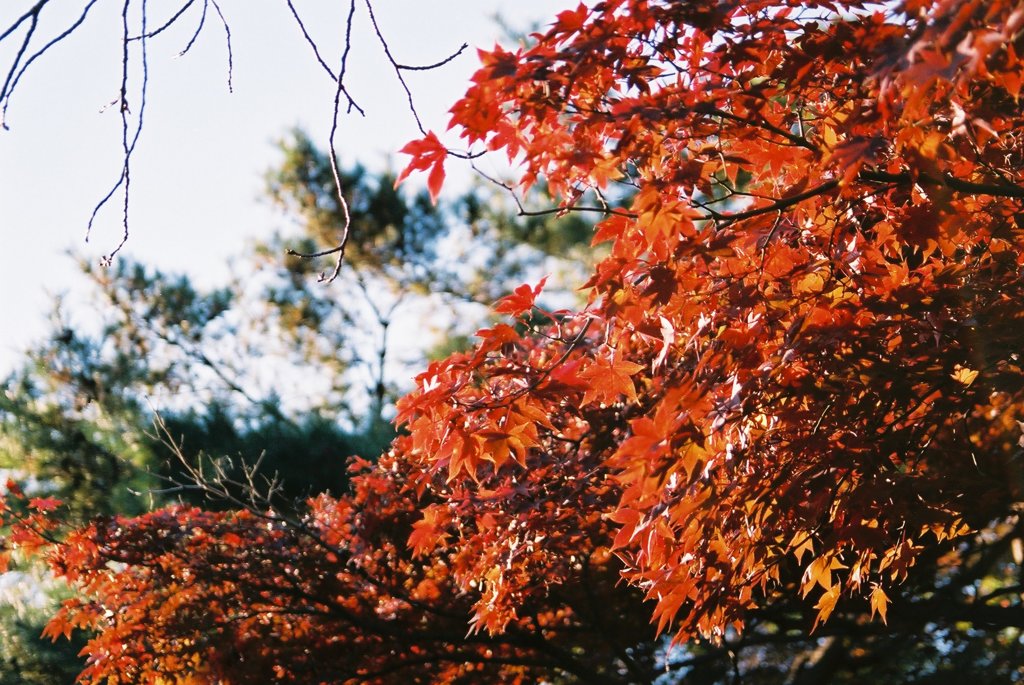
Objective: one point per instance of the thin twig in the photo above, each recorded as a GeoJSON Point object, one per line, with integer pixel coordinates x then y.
{"type": "Point", "coordinates": [33, 23]}
{"type": "Point", "coordinates": [521, 210]}
{"type": "Point", "coordinates": [311, 42]}
{"type": "Point", "coordinates": [199, 29]}
{"type": "Point", "coordinates": [340, 90]}
{"type": "Point", "coordinates": [227, 38]}
{"type": "Point", "coordinates": [126, 174]}
{"type": "Point", "coordinates": [166, 24]}
{"type": "Point", "coordinates": [397, 68]}
{"type": "Point", "coordinates": [352, 104]}
{"type": "Point", "coordinates": [333, 154]}
{"type": "Point", "coordinates": [39, 53]}
{"type": "Point", "coordinates": [435, 65]}
{"type": "Point", "coordinates": [313, 255]}
{"type": "Point", "coordinates": [127, 146]}
{"type": "Point", "coordinates": [29, 14]}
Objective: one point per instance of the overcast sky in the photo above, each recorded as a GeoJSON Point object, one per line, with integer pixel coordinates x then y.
{"type": "Point", "coordinates": [198, 171]}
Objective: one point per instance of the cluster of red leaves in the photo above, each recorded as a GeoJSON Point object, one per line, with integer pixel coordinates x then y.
{"type": "Point", "coordinates": [341, 596]}
{"type": "Point", "coordinates": [808, 326]}
{"type": "Point", "coordinates": [30, 524]}
{"type": "Point", "coordinates": [799, 368]}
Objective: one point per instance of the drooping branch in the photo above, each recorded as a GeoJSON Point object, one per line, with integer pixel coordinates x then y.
{"type": "Point", "coordinates": [8, 90]}
{"type": "Point", "coordinates": [25, 31]}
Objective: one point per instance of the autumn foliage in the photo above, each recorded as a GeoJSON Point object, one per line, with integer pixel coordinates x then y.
{"type": "Point", "coordinates": [798, 378]}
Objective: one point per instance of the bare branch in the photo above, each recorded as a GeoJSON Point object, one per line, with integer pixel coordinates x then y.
{"type": "Point", "coordinates": [333, 153]}
{"type": "Point", "coordinates": [311, 42]}
{"type": "Point", "coordinates": [435, 65]}
{"type": "Point", "coordinates": [170, 22]}
{"type": "Point", "coordinates": [33, 17]}
{"type": "Point", "coordinates": [5, 94]}
{"type": "Point", "coordinates": [319, 58]}
{"type": "Point", "coordinates": [199, 28]}
{"type": "Point", "coordinates": [24, 30]}
{"type": "Point", "coordinates": [521, 210]}
{"type": "Point", "coordinates": [227, 39]}
{"type": "Point", "coordinates": [397, 67]}
{"type": "Point", "coordinates": [128, 142]}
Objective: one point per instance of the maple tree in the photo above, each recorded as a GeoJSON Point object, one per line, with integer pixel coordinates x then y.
{"type": "Point", "coordinates": [804, 326]}
{"type": "Point", "coordinates": [796, 386]}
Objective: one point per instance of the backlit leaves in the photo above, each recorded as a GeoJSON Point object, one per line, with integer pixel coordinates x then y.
{"type": "Point", "coordinates": [429, 155]}
{"type": "Point", "coordinates": [879, 603]}
{"type": "Point", "coordinates": [796, 381]}
{"type": "Point", "coordinates": [791, 314]}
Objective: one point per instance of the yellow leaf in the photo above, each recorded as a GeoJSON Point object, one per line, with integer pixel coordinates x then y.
{"type": "Point", "coordinates": [932, 144]}
{"type": "Point", "coordinates": [879, 603]}
{"type": "Point", "coordinates": [829, 135]}
{"type": "Point", "coordinates": [825, 605]}
{"type": "Point", "coordinates": [811, 283]}
{"type": "Point", "coordinates": [964, 375]}
{"type": "Point", "coordinates": [801, 543]}
{"type": "Point", "coordinates": [820, 572]}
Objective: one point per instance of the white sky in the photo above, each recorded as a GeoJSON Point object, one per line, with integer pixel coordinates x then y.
{"type": "Point", "coordinates": [198, 170]}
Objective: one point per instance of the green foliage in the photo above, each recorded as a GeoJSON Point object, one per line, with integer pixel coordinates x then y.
{"type": "Point", "coordinates": [302, 457]}
{"type": "Point", "coordinates": [71, 419]}
{"type": "Point", "coordinates": [389, 233]}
